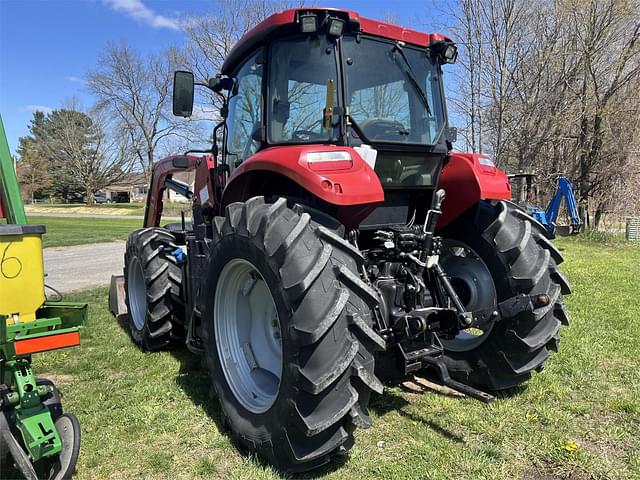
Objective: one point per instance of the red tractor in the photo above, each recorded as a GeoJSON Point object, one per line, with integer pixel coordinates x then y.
{"type": "Point", "coordinates": [323, 257]}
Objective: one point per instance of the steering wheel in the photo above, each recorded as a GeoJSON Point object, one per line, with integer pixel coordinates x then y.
{"type": "Point", "coordinates": [376, 128]}
{"type": "Point", "coordinates": [306, 135]}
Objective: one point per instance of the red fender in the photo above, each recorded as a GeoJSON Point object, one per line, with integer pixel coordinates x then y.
{"type": "Point", "coordinates": [340, 183]}
{"type": "Point", "coordinates": [468, 178]}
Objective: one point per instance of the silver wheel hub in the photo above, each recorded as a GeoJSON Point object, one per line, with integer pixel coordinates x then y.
{"type": "Point", "coordinates": [247, 334]}
{"type": "Point", "coordinates": [137, 294]}
{"type": "Point", "coordinates": [472, 281]}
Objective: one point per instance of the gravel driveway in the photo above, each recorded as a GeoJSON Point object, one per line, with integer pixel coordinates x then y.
{"type": "Point", "coordinates": [82, 266]}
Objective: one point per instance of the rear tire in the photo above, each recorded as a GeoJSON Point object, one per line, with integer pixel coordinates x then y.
{"type": "Point", "coordinates": [327, 344]}
{"type": "Point", "coordinates": [153, 286]}
{"type": "Point", "coordinates": [520, 258]}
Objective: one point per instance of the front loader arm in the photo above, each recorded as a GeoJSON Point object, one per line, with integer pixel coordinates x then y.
{"type": "Point", "coordinates": [161, 175]}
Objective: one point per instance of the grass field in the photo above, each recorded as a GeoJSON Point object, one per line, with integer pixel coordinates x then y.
{"type": "Point", "coordinates": [101, 206]}
{"type": "Point", "coordinates": [149, 415]}
{"type": "Point", "coordinates": [76, 231]}
{"type": "Point", "coordinates": [134, 209]}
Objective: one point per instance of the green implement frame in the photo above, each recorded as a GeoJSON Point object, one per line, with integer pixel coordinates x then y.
{"type": "Point", "coordinates": [9, 188]}
{"type": "Point", "coordinates": [20, 396]}
{"type": "Point", "coordinates": [57, 325]}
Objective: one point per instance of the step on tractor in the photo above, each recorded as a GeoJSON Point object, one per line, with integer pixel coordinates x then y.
{"type": "Point", "coordinates": [336, 240]}
{"type": "Point", "coordinates": [38, 440]}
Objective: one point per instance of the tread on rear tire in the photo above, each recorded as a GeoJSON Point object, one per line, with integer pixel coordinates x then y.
{"type": "Point", "coordinates": [328, 346]}
{"type": "Point", "coordinates": [521, 260]}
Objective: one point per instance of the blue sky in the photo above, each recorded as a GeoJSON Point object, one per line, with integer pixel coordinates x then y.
{"type": "Point", "coordinates": [47, 46]}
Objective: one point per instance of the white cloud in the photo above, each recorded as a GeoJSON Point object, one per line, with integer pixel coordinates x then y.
{"type": "Point", "coordinates": [36, 108]}
{"type": "Point", "coordinates": [73, 79]}
{"type": "Point", "coordinates": [139, 11]}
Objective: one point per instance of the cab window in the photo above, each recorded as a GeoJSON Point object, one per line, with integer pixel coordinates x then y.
{"type": "Point", "coordinates": [245, 112]}
{"type": "Point", "coordinates": [303, 73]}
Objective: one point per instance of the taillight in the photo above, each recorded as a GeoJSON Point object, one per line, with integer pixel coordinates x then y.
{"type": "Point", "coordinates": [329, 161]}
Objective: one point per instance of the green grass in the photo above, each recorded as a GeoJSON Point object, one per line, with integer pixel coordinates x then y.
{"type": "Point", "coordinates": [76, 231]}
{"type": "Point", "coordinates": [602, 238]}
{"type": "Point", "coordinates": [149, 415]}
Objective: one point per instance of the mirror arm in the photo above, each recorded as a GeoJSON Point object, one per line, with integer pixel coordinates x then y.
{"type": "Point", "coordinates": [215, 137]}
{"type": "Point", "coordinates": [205, 85]}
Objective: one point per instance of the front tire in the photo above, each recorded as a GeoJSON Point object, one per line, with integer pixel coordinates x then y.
{"type": "Point", "coordinates": [520, 259]}
{"type": "Point", "coordinates": [319, 380]}
{"type": "Point", "coordinates": [153, 286]}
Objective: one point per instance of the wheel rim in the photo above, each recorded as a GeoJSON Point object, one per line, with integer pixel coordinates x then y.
{"type": "Point", "coordinates": [137, 294]}
{"type": "Point", "coordinates": [474, 284]}
{"type": "Point", "coordinates": [248, 338]}
{"type": "Point", "coordinates": [69, 431]}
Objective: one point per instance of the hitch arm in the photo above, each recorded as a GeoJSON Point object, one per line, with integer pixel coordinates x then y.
{"type": "Point", "coordinates": [463, 315]}
{"type": "Point", "coordinates": [438, 366]}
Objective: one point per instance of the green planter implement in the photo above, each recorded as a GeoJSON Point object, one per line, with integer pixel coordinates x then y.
{"type": "Point", "coordinates": [35, 435]}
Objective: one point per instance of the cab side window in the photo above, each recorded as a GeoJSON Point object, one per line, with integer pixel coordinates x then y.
{"type": "Point", "coordinates": [245, 113]}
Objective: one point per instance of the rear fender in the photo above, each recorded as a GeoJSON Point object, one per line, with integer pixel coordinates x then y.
{"type": "Point", "coordinates": [468, 178]}
{"type": "Point", "coordinates": [352, 191]}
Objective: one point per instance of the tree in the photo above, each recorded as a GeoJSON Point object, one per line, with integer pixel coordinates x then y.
{"type": "Point", "coordinates": [135, 92]}
{"type": "Point", "coordinates": [32, 173]}
{"type": "Point", "coordinates": [609, 48]}
{"type": "Point", "coordinates": [32, 166]}
{"type": "Point", "coordinates": [82, 155]}
{"type": "Point", "coordinates": [212, 36]}
{"type": "Point", "coordinates": [548, 86]}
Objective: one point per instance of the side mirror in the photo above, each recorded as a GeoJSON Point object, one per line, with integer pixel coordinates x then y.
{"type": "Point", "coordinates": [183, 94]}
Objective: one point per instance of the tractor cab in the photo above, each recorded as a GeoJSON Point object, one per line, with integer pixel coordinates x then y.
{"type": "Point", "coordinates": [329, 77]}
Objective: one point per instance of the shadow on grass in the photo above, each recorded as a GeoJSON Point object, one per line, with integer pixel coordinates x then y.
{"type": "Point", "coordinates": [511, 392]}
{"type": "Point", "coordinates": [194, 380]}
{"type": "Point", "coordinates": [391, 401]}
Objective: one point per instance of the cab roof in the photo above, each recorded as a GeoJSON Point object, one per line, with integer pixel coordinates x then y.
{"type": "Point", "coordinates": [277, 22]}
